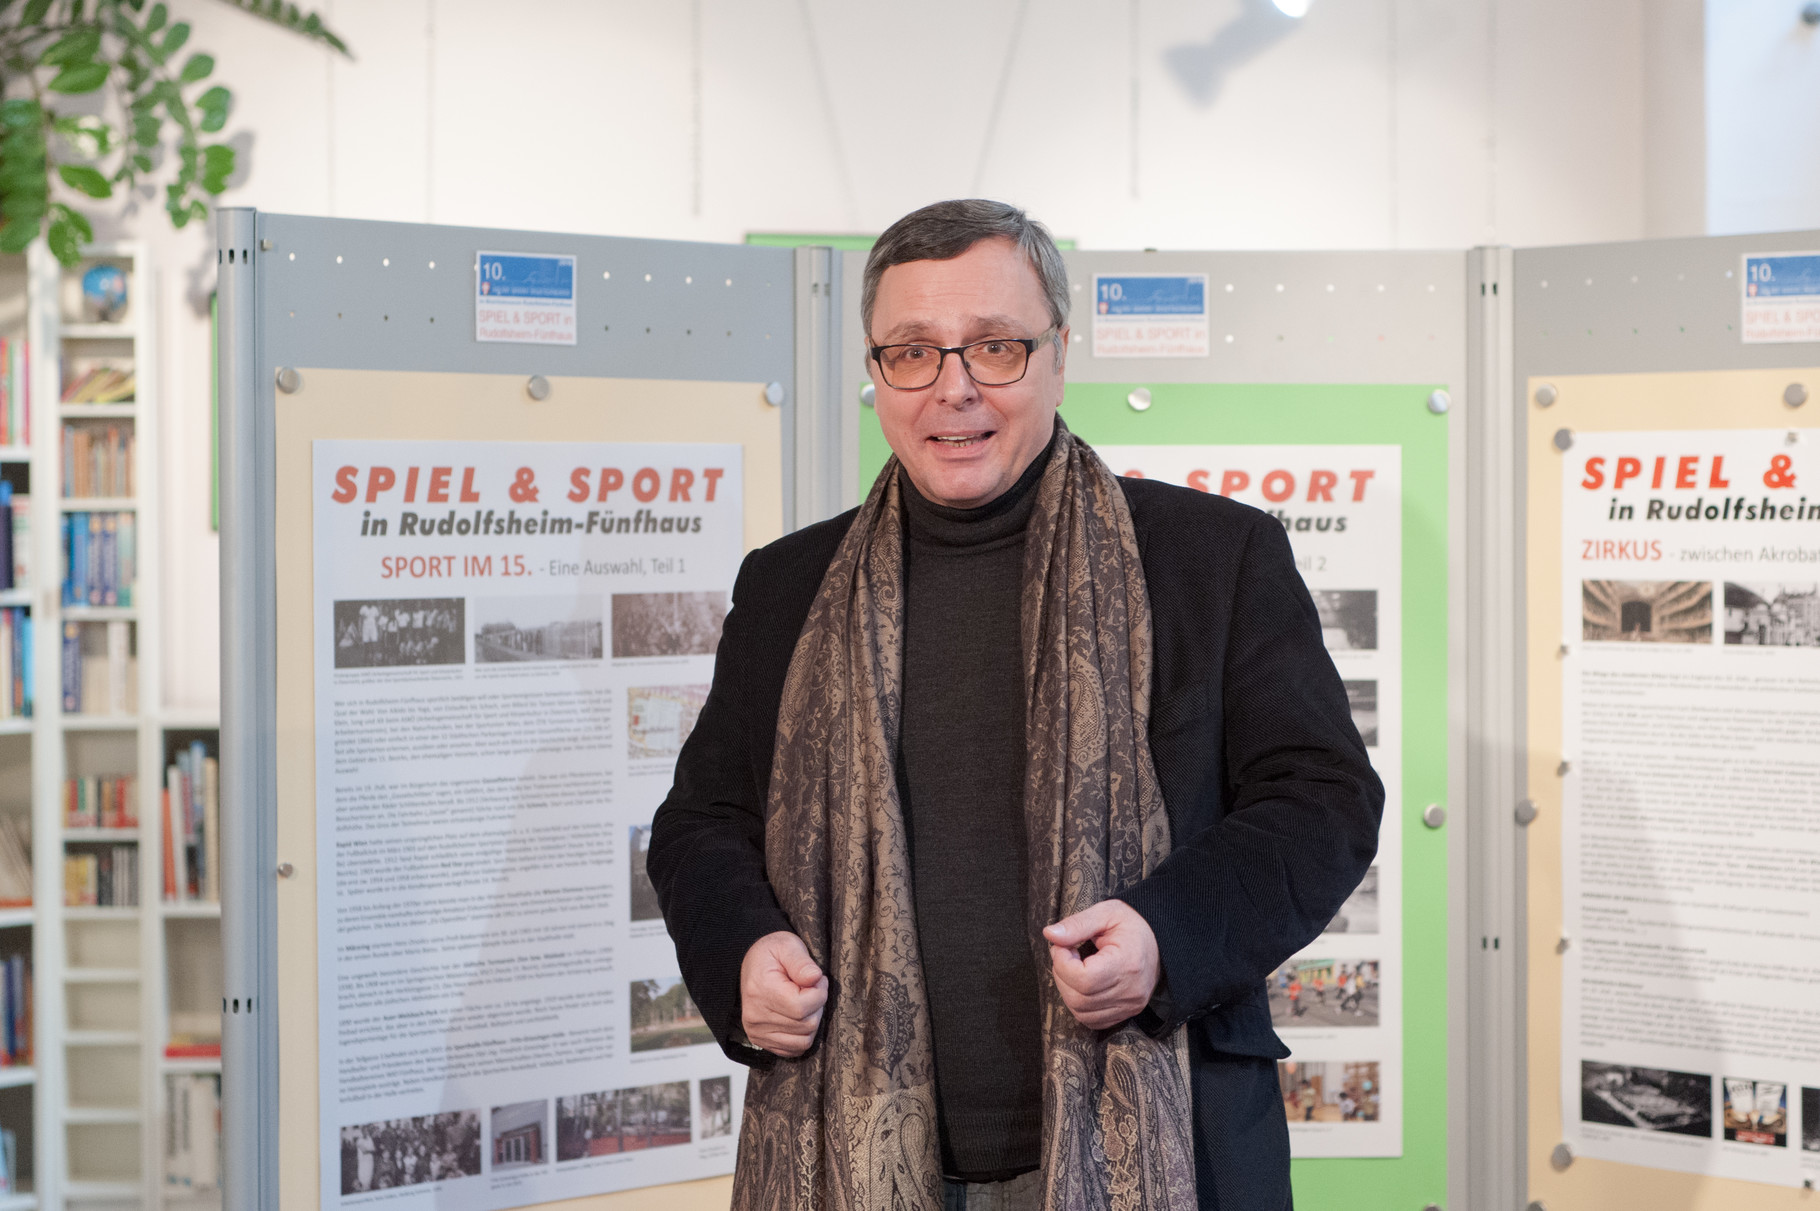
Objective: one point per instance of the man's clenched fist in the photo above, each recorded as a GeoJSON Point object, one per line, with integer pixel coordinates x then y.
{"type": "Point", "coordinates": [1118, 979]}
{"type": "Point", "coordinates": [781, 994]}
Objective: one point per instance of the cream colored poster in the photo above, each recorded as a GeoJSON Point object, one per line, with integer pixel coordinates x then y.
{"type": "Point", "coordinates": [1690, 792]}
{"type": "Point", "coordinates": [512, 641]}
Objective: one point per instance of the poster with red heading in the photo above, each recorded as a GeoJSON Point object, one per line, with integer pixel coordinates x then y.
{"type": "Point", "coordinates": [1338, 1003]}
{"type": "Point", "coordinates": [512, 642]}
{"type": "Point", "coordinates": [1690, 779]}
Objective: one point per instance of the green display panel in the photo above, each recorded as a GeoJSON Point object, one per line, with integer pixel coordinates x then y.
{"type": "Point", "coordinates": [1282, 415]}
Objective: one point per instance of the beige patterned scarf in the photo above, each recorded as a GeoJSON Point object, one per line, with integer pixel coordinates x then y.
{"type": "Point", "coordinates": [851, 1125]}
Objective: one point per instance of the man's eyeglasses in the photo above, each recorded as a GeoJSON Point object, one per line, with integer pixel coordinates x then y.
{"type": "Point", "coordinates": [997, 362]}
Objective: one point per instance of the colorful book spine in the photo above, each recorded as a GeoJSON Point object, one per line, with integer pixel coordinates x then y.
{"type": "Point", "coordinates": [72, 668]}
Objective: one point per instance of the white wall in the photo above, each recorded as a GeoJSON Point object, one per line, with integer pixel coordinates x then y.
{"type": "Point", "coordinates": [1762, 117]}
{"type": "Point", "coordinates": [1121, 123]}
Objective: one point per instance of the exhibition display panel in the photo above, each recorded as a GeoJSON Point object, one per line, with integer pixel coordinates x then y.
{"type": "Point", "coordinates": [478, 540]}
{"type": "Point", "coordinates": [1672, 575]}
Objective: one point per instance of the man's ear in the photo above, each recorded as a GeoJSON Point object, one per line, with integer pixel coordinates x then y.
{"type": "Point", "coordinates": [1061, 349]}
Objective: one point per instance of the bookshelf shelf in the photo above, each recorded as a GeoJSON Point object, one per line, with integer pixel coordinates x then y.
{"type": "Point", "coordinates": [99, 504]}
{"type": "Point", "coordinates": [23, 1200]}
{"type": "Point", "coordinates": [16, 597]}
{"type": "Point", "coordinates": [101, 975]}
{"type": "Point", "coordinates": [98, 332]}
{"type": "Point", "coordinates": [99, 980]}
{"type": "Point", "coordinates": [100, 723]}
{"type": "Point", "coordinates": [121, 411]}
{"type": "Point", "coordinates": [199, 1065]}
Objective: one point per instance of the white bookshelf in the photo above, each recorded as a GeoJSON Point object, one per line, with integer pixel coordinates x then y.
{"type": "Point", "coordinates": [102, 976]}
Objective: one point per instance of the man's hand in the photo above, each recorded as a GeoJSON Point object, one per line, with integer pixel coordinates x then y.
{"type": "Point", "coordinates": [781, 994]}
{"type": "Point", "coordinates": [1117, 980]}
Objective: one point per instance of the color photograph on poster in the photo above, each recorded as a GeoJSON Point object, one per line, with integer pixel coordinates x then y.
{"type": "Point", "coordinates": [512, 642]}
{"type": "Point", "coordinates": [1689, 566]}
{"type": "Point", "coordinates": [1340, 998]}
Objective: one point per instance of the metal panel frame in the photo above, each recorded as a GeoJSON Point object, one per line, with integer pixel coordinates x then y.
{"type": "Point", "coordinates": [1645, 306]}
{"type": "Point", "coordinates": [332, 293]}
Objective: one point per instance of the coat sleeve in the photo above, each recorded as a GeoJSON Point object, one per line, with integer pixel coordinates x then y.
{"type": "Point", "coordinates": [706, 858]}
{"type": "Point", "coordinates": [1231, 903]}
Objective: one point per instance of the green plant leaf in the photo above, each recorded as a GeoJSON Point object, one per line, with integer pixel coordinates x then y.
{"type": "Point", "coordinates": [82, 78]}
{"type": "Point", "coordinates": [146, 128]}
{"type": "Point", "coordinates": [77, 46]}
{"type": "Point", "coordinates": [64, 243]}
{"type": "Point", "coordinates": [142, 162]}
{"type": "Point", "coordinates": [17, 234]}
{"type": "Point", "coordinates": [197, 68]}
{"type": "Point", "coordinates": [34, 15]}
{"type": "Point", "coordinates": [217, 167]}
{"type": "Point", "coordinates": [154, 20]}
{"type": "Point", "coordinates": [88, 180]}
{"type": "Point", "coordinates": [76, 219]}
{"type": "Point", "coordinates": [174, 38]}
{"type": "Point", "coordinates": [214, 106]}
{"type": "Point", "coordinates": [20, 111]}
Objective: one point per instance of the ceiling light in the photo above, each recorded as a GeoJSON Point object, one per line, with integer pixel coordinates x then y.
{"type": "Point", "coordinates": [1292, 8]}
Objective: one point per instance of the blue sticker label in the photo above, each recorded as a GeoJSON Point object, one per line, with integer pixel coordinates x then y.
{"type": "Point", "coordinates": [515, 276]}
{"type": "Point", "coordinates": [1151, 294]}
{"type": "Point", "coordinates": [1781, 297]}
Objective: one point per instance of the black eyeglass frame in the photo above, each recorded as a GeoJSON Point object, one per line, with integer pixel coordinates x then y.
{"type": "Point", "coordinates": [1030, 344]}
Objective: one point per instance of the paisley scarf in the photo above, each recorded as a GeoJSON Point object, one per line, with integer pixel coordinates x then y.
{"type": "Point", "coordinates": [851, 1126]}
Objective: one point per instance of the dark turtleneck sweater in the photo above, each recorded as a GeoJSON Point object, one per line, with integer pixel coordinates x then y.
{"type": "Point", "coordinates": [961, 778]}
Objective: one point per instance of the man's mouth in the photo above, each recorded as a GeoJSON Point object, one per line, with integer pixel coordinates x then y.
{"type": "Point", "coordinates": [959, 440]}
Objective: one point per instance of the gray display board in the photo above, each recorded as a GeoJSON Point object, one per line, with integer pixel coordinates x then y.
{"type": "Point", "coordinates": [360, 296]}
{"type": "Point", "coordinates": [1638, 350]}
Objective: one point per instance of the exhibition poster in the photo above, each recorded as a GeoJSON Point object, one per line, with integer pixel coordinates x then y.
{"type": "Point", "coordinates": [512, 641]}
{"type": "Point", "coordinates": [1690, 607]}
{"type": "Point", "coordinates": [1337, 1004]}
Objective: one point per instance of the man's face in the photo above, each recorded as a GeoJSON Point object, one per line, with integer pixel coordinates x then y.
{"type": "Point", "coordinates": [964, 444]}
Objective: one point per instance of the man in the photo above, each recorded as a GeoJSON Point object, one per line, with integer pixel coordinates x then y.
{"type": "Point", "coordinates": [1012, 789]}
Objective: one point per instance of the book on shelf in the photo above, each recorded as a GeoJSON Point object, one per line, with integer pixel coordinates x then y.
{"type": "Point", "coordinates": [8, 537]}
{"type": "Point", "coordinates": [15, 394]}
{"type": "Point", "coordinates": [98, 459]}
{"type": "Point", "coordinates": [9, 1161]}
{"type": "Point", "coordinates": [100, 668]}
{"type": "Point", "coordinates": [192, 1132]}
{"type": "Point", "coordinates": [22, 541]}
{"type": "Point", "coordinates": [15, 663]}
{"type": "Point", "coordinates": [91, 381]}
{"type": "Point", "coordinates": [101, 802]}
{"type": "Point", "coordinates": [195, 1035]}
{"type": "Point", "coordinates": [16, 1011]}
{"type": "Point", "coordinates": [191, 826]}
{"type": "Point", "coordinates": [15, 861]}
{"type": "Point", "coordinates": [103, 877]}
{"type": "Point", "coordinates": [100, 558]}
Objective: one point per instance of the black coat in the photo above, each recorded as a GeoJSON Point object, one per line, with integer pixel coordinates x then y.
{"type": "Point", "coordinates": [1272, 803]}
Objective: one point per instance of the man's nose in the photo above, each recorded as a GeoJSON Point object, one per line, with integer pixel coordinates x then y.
{"type": "Point", "coordinates": [953, 385]}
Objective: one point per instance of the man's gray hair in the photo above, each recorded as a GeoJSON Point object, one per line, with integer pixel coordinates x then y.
{"type": "Point", "coordinates": [942, 231]}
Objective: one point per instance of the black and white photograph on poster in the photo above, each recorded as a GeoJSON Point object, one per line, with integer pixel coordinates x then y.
{"type": "Point", "coordinates": [1768, 615]}
{"type": "Point", "coordinates": [410, 1151]}
{"type": "Point", "coordinates": [667, 624]}
{"type": "Point", "coordinates": [664, 1015]}
{"type": "Point", "coordinates": [1646, 611]}
{"type": "Point", "coordinates": [1329, 1091]}
{"type": "Point", "coordinates": [1325, 992]}
{"type": "Point", "coordinates": [516, 630]}
{"type": "Point", "coordinates": [399, 632]}
{"type": "Point", "coordinates": [1756, 1112]}
{"type": "Point", "coordinates": [660, 717]}
{"type": "Point", "coordinates": [622, 1120]}
{"type": "Point", "coordinates": [1359, 914]}
{"type": "Point", "coordinates": [716, 1095]}
{"type": "Point", "coordinates": [1349, 618]}
{"type": "Point", "coordinates": [1362, 696]}
{"type": "Point", "coordinates": [644, 894]}
{"type": "Point", "coordinates": [519, 1134]}
{"type": "Point", "coordinates": [1649, 1099]}
{"type": "Point", "coordinates": [1810, 1120]}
